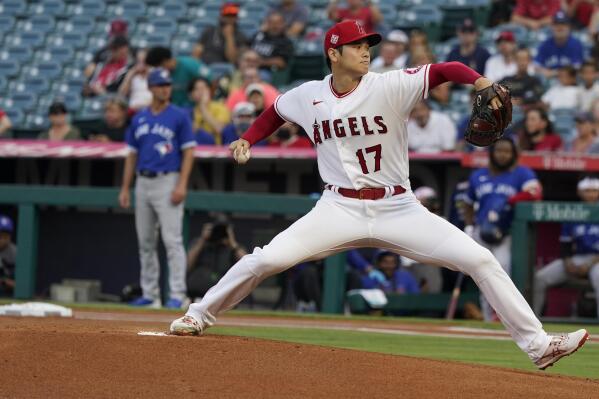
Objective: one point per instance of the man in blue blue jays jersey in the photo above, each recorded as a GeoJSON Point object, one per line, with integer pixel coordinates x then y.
{"type": "Point", "coordinates": [161, 143]}
{"type": "Point", "coordinates": [491, 194]}
{"type": "Point", "coordinates": [580, 252]}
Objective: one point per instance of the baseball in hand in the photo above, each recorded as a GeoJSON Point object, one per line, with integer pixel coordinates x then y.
{"type": "Point", "coordinates": [242, 155]}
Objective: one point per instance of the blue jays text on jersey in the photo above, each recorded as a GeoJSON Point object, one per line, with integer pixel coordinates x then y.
{"type": "Point", "coordinates": [159, 139]}
{"type": "Point", "coordinates": [584, 236]}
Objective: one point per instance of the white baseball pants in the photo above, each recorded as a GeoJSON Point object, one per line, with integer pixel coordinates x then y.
{"type": "Point", "coordinates": [398, 223]}
{"type": "Point", "coordinates": [503, 254]}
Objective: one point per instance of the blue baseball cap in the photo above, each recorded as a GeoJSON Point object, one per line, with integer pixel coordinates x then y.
{"type": "Point", "coordinates": [159, 77]}
{"type": "Point", "coordinates": [560, 17]}
{"type": "Point", "coordinates": [6, 224]}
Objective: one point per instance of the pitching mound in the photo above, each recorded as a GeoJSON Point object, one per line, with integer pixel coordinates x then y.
{"type": "Point", "coordinates": [67, 358]}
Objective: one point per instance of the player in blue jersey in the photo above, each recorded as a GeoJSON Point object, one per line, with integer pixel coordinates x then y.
{"type": "Point", "coordinates": [161, 143]}
{"type": "Point", "coordinates": [488, 210]}
{"type": "Point", "coordinates": [580, 252]}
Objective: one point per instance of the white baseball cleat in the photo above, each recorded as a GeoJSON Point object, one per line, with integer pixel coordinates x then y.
{"type": "Point", "coordinates": [560, 346]}
{"type": "Point", "coordinates": [186, 325]}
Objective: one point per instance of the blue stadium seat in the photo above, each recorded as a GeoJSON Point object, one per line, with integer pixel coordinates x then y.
{"type": "Point", "coordinates": [12, 7]}
{"type": "Point", "coordinates": [37, 23]}
{"type": "Point", "coordinates": [193, 30]}
{"type": "Point", "coordinates": [130, 9]}
{"type": "Point", "coordinates": [69, 73]}
{"type": "Point", "coordinates": [182, 46]}
{"type": "Point", "coordinates": [96, 43]}
{"type": "Point", "coordinates": [256, 11]}
{"type": "Point", "coordinates": [72, 101]}
{"type": "Point", "coordinates": [91, 8]}
{"type": "Point", "coordinates": [46, 69]}
{"type": "Point", "coordinates": [36, 122]}
{"type": "Point", "coordinates": [82, 58]}
{"type": "Point", "coordinates": [73, 40]}
{"type": "Point", "coordinates": [48, 7]}
{"type": "Point", "coordinates": [3, 84]}
{"type": "Point", "coordinates": [389, 11]}
{"type": "Point", "coordinates": [9, 68]}
{"type": "Point", "coordinates": [519, 31]}
{"type": "Point", "coordinates": [152, 40]}
{"type": "Point", "coordinates": [158, 26]}
{"type": "Point", "coordinates": [91, 108]}
{"type": "Point", "coordinates": [23, 101]}
{"type": "Point", "coordinates": [171, 9]}
{"type": "Point", "coordinates": [60, 54]}
{"type": "Point", "coordinates": [81, 24]}
{"type": "Point", "coordinates": [210, 9]}
{"type": "Point", "coordinates": [219, 69]}
{"type": "Point", "coordinates": [19, 52]}
{"type": "Point", "coordinates": [563, 122]}
{"type": "Point", "coordinates": [7, 22]}
{"type": "Point", "coordinates": [31, 39]}
{"type": "Point", "coordinates": [36, 85]}
{"type": "Point", "coordinates": [249, 27]}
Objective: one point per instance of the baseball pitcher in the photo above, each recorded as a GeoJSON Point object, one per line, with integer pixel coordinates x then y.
{"type": "Point", "coordinates": [357, 122]}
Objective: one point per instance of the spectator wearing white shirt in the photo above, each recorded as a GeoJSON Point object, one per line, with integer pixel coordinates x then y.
{"type": "Point", "coordinates": [503, 63]}
{"type": "Point", "coordinates": [430, 131]}
{"type": "Point", "coordinates": [388, 55]}
{"type": "Point", "coordinates": [135, 83]}
{"type": "Point", "coordinates": [565, 94]}
{"type": "Point", "coordinates": [589, 90]}
{"type": "Point", "coordinates": [400, 41]}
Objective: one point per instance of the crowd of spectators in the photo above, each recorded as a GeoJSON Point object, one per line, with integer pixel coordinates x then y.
{"type": "Point", "coordinates": [228, 73]}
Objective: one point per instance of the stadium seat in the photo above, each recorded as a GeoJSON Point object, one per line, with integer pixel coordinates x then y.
{"type": "Point", "coordinates": [3, 84]}
{"type": "Point", "coordinates": [36, 122]}
{"type": "Point", "coordinates": [424, 17]}
{"type": "Point", "coordinates": [31, 39]}
{"type": "Point", "coordinates": [12, 7]}
{"type": "Point", "coordinates": [37, 23]}
{"type": "Point", "coordinates": [130, 9]}
{"type": "Point", "coordinates": [81, 24]}
{"type": "Point", "coordinates": [171, 9]}
{"type": "Point", "coordinates": [73, 73]}
{"type": "Point", "coordinates": [73, 40]}
{"type": "Point", "coordinates": [563, 122]}
{"type": "Point", "coordinates": [519, 31]}
{"type": "Point", "coordinates": [162, 25]}
{"type": "Point", "coordinates": [306, 67]}
{"type": "Point", "coordinates": [91, 8]}
{"type": "Point", "coordinates": [97, 42]}
{"type": "Point", "coordinates": [182, 46]}
{"type": "Point", "coordinates": [35, 84]}
{"type": "Point", "coordinates": [21, 100]}
{"type": "Point", "coordinates": [18, 52]}
{"type": "Point", "coordinates": [9, 68]}
{"type": "Point", "coordinates": [249, 27]}
{"type": "Point", "coordinates": [46, 69]}
{"type": "Point", "coordinates": [456, 11]}
{"type": "Point", "coordinates": [91, 108]}
{"type": "Point", "coordinates": [219, 69]}
{"type": "Point", "coordinates": [210, 9]}
{"type": "Point", "coordinates": [58, 54]}
{"type": "Point", "coordinates": [82, 58]}
{"type": "Point", "coordinates": [152, 40]}
{"type": "Point", "coordinates": [7, 22]}
{"type": "Point", "coordinates": [48, 7]}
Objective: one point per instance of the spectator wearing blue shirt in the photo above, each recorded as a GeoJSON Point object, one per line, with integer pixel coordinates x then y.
{"type": "Point", "coordinates": [468, 51]}
{"type": "Point", "coordinates": [580, 252]}
{"type": "Point", "coordinates": [560, 50]}
{"type": "Point", "coordinates": [160, 143]}
{"type": "Point", "coordinates": [386, 273]}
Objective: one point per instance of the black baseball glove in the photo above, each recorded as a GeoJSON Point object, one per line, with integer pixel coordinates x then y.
{"type": "Point", "coordinates": [486, 124]}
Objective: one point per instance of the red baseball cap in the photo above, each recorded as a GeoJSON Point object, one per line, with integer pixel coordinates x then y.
{"type": "Point", "coordinates": [229, 9]}
{"type": "Point", "coordinates": [348, 31]}
{"type": "Point", "coordinates": [118, 27]}
{"type": "Point", "coordinates": [507, 36]}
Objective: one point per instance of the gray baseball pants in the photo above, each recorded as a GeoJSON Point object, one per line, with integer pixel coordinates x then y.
{"type": "Point", "coordinates": [554, 274]}
{"type": "Point", "coordinates": [153, 209]}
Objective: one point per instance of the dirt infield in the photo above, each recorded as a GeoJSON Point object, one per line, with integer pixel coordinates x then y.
{"type": "Point", "coordinates": [68, 358]}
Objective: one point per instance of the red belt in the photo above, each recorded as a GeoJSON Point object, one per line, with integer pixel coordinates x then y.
{"type": "Point", "coordinates": [368, 193]}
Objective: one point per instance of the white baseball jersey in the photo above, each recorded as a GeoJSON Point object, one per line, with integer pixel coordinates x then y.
{"type": "Point", "coordinates": [361, 136]}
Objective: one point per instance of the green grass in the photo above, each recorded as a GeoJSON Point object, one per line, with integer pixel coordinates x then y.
{"type": "Point", "coordinates": [489, 352]}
